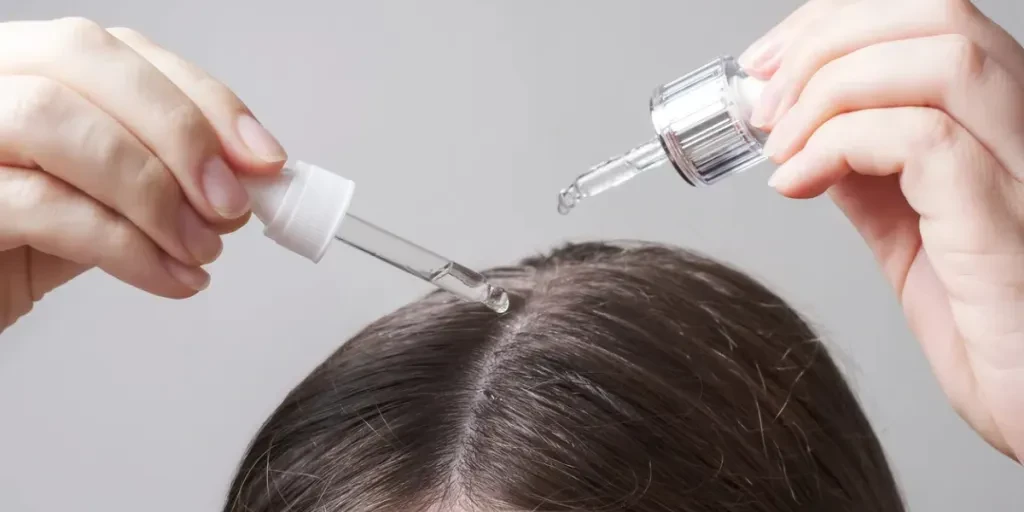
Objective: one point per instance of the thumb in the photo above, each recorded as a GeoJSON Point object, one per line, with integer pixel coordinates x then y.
{"type": "Point", "coordinates": [47, 272]}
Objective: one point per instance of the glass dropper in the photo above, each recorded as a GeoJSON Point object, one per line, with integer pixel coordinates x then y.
{"type": "Point", "coordinates": [611, 173]}
{"type": "Point", "coordinates": [703, 130]}
{"type": "Point", "coordinates": [305, 208]}
{"type": "Point", "coordinates": [426, 265]}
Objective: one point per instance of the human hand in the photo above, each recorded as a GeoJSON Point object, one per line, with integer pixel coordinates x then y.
{"type": "Point", "coordinates": [117, 154]}
{"type": "Point", "coordinates": [911, 114]}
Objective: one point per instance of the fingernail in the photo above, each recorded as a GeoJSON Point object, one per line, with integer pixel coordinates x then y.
{"type": "Point", "coordinates": [783, 141]}
{"type": "Point", "coordinates": [223, 189]}
{"type": "Point", "coordinates": [785, 174]}
{"type": "Point", "coordinates": [259, 140]}
{"type": "Point", "coordinates": [760, 53]}
{"type": "Point", "coordinates": [765, 109]}
{"type": "Point", "coordinates": [786, 102]}
{"type": "Point", "coordinates": [199, 239]}
{"type": "Point", "coordinates": [776, 140]}
{"type": "Point", "coordinates": [771, 146]}
{"type": "Point", "coordinates": [767, 68]}
{"type": "Point", "coordinates": [193, 277]}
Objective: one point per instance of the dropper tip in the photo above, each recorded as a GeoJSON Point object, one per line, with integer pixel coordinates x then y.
{"type": "Point", "coordinates": [568, 198]}
{"type": "Point", "coordinates": [497, 299]}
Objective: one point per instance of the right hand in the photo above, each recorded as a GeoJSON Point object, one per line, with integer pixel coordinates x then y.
{"type": "Point", "coordinates": [117, 154]}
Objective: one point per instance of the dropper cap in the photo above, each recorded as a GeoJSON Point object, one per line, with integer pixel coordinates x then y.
{"type": "Point", "coordinates": [302, 207]}
{"type": "Point", "coordinates": [702, 120]}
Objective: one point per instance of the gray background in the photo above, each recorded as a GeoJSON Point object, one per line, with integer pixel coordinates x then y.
{"type": "Point", "coordinates": [459, 120]}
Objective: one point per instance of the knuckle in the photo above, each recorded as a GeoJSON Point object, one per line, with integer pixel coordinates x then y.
{"type": "Point", "coordinates": [941, 131]}
{"type": "Point", "coordinates": [33, 106]}
{"type": "Point", "coordinates": [41, 91]}
{"type": "Point", "coordinates": [951, 13]}
{"type": "Point", "coordinates": [144, 185]}
{"type": "Point", "coordinates": [188, 126]}
{"type": "Point", "coordinates": [822, 84]}
{"type": "Point", "coordinates": [31, 191]}
{"type": "Point", "coordinates": [815, 41]}
{"type": "Point", "coordinates": [120, 236]}
{"type": "Point", "coordinates": [81, 33]}
{"type": "Point", "coordinates": [967, 61]}
{"type": "Point", "coordinates": [154, 185]}
{"type": "Point", "coordinates": [154, 176]}
{"type": "Point", "coordinates": [95, 139]}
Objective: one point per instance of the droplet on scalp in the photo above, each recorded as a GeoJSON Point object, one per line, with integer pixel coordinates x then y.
{"type": "Point", "coordinates": [497, 300]}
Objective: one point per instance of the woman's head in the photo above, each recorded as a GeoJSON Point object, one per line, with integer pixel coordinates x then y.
{"type": "Point", "coordinates": [630, 377]}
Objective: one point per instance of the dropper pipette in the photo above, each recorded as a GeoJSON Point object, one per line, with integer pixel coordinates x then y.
{"type": "Point", "coordinates": [702, 121]}
{"type": "Point", "coordinates": [428, 266]}
{"type": "Point", "coordinates": [305, 208]}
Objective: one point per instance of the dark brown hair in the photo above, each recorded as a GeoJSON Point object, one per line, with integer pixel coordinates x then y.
{"type": "Point", "coordinates": [632, 377]}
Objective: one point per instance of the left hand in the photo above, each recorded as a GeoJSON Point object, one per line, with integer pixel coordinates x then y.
{"type": "Point", "coordinates": [911, 113]}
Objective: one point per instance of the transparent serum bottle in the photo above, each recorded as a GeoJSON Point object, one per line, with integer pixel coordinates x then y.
{"type": "Point", "coordinates": [703, 129]}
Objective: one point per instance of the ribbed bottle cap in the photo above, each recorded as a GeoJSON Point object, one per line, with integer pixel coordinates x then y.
{"type": "Point", "coordinates": [701, 119]}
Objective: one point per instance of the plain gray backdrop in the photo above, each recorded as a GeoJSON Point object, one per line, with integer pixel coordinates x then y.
{"type": "Point", "coordinates": [459, 120]}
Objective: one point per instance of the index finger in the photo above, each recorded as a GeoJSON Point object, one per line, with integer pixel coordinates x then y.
{"type": "Point", "coordinates": [858, 25]}
{"type": "Point", "coordinates": [85, 58]}
{"type": "Point", "coordinates": [248, 146]}
{"type": "Point", "coordinates": [762, 58]}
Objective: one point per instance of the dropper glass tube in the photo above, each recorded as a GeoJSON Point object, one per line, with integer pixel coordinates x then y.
{"type": "Point", "coordinates": [413, 259]}
{"type": "Point", "coordinates": [305, 207]}
{"type": "Point", "coordinates": [703, 130]}
{"type": "Point", "coordinates": [611, 173]}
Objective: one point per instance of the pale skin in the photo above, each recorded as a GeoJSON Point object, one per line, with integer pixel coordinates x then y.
{"type": "Point", "coordinates": [117, 154]}
{"type": "Point", "coordinates": [910, 114]}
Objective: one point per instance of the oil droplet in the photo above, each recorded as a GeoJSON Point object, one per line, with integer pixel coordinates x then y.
{"type": "Point", "coordinates": [568, 198]}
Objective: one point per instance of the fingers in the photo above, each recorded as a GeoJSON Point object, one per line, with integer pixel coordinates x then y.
{"type": "Point", "coordinates": [944, 171]}
{"type": "Point", "coordinates": [763, 57]}
{"type": "Point", "coordinates": [857, 25]}
{"type": "Point", "coordinates": [946, 72]}
{"type": "Point", "coordinates": [87, 59]}
{"type": "Point", "coordinates": [876, 207]}
{"type": "Point", "coordinates": [56, 219]}
{"type": "Point", "coordinates": [832, 153]}
{"type": "Point", "coordinates": [46, 123]}
{"type": "Point", "coordinates": [248, 145]}
{"type": "Point", "coordinates": [233, 225]}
